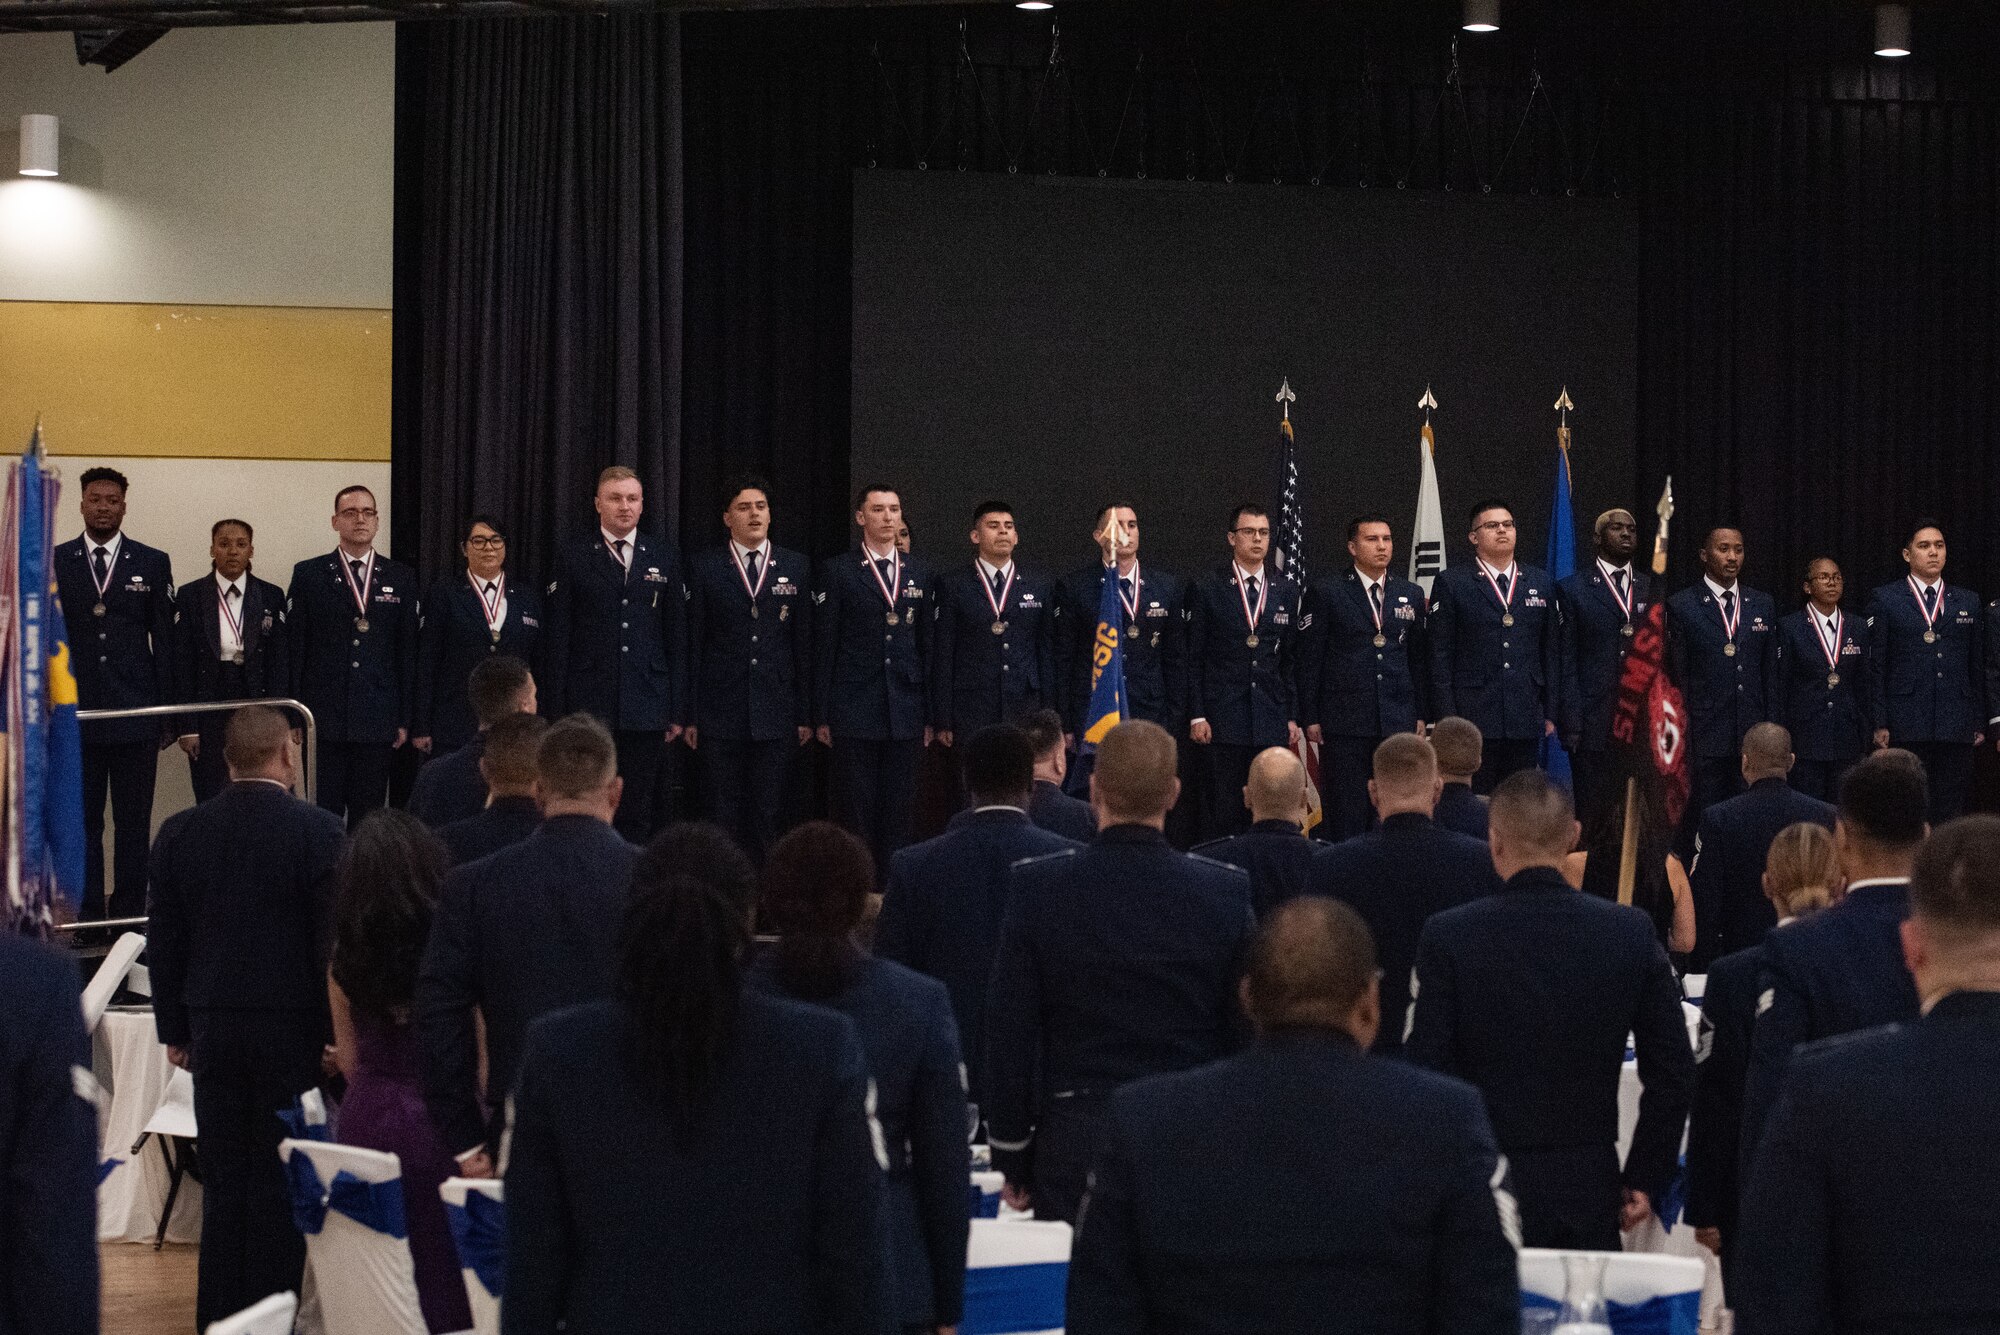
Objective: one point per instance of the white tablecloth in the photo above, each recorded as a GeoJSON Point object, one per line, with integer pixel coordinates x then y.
{"type": "Point", "coordinates": [132, 1064]}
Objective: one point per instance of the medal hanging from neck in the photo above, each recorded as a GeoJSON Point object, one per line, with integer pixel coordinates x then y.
{"type": "Point", "coordinates": [235, 623]}
{"type": "Point", "coordinates": [490, 597]}
{"type": "Point", "coordinates": [755, 591]}
{"type": "Point", "coordinates": [1831, 648]}
{"type": "Point", "coordinates": [360, 591]}
{"type": "Point", "coordinates": [1250, 614]}
{"type": "Point", "coordinates": [1131, 605]}
{"type": "Point", "coordinates": [1506, 599]}
{"type": "Point", "coordinates": [1930, 617]}
{"type": "Point", "coordinates": [998, 602]}
{"type": "Point", "coordinates": [97, 608]}
{"type": "Point", "coordinates": [1730, 621]}
{"type": "Point", "coordinates": [1381, 641]}
{"type": "Point", "coordinates": [1624, 600]}
{"type": "Point", "coordinates": [895, 585]}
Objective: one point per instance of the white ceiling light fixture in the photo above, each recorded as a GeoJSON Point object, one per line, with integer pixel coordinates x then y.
{"type": "Point", "coordinates": [38, 145]}
{"type": "Point", "coordinates": [1482, 16]}
{"type": "Point", "coordinates": [1034, 4]}
{"type": "Point", "coordinates": [1892, 30]}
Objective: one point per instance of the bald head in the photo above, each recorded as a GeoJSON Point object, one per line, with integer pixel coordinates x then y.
{"type": "Point", "coordinates": [1134, 780]}
{"type": "Point", "coordinates": [1277, 786]}
{"type": "Point", "coordinates": [1406, 777]}
{"type": "Point", "coordinates": [1530, 823]}
{"type": "Point", "coordinates": [1313, 966]}
{"type": "Point", "coordinates": [1767, 752]}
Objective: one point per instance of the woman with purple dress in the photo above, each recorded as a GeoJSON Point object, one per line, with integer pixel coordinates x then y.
{"type": "Point", "coordinates": [388, 890]}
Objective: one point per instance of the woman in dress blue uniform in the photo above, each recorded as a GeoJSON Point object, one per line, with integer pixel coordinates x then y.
{"type": "Point", "coordinates": [469, 617]}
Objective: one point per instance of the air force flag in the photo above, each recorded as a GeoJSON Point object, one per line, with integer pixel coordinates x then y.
{"type": "Point", "coordinates": [1107, 665]}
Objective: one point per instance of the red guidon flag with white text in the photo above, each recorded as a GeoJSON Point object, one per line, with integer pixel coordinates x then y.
{"type": "Point", "coordinates": [1650, 725]}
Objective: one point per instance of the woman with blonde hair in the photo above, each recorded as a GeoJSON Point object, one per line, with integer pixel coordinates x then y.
{"type": "Point", "coordinates": [1801, 876]}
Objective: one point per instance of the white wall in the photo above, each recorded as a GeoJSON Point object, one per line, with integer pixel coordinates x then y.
{"type": "Point", "coordinates": [237, 166]}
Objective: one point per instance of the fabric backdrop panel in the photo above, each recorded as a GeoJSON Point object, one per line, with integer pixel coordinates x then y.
{"type": "Point", "coordinates": [538, 277]}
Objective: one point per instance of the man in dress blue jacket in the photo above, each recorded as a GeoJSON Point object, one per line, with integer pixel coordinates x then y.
{"type": "Point", "coordinates": [1362, 670]}
{"type": "Point", "coordinates": [353, 619]}
{"type": "Point", "coordinates": [947, 896]}
{"type": "Point", "coordinates": [1459, 749]}
{"type": "Point", "coordinates": [1722, 650]}
{"type": "Point", "coordinates": [1820, 687]}
{"type": "Point", "coordinates": [118, 604]}
{"type": "Point", "coordinates": [616, 642]}
{"type": "Point", "coordinates": [452, 788]}
{"type": "Point", "coordinates": [1492, 631]}
{"type": "Point", "coordinates": [1301, 1186]}
{"type": "Point", "coordinates": [1732, 840]}
{"type": "Point", "coordinates": [1243, 652]}
{"type": "Point", "coordinates": [1116, 960]}
{"type": "Point", "coordinates": [1871, 1203]}
{"type": "Point", "coordinates": [1530, 994]}
{"type": "Point", "coordinates": [48, 1147]}
{"type": "Point", "coordinates": [1155, 628]}
{"type": "Point", "coordinates": [750, 632]}
{"type": "Point", "coordinates": [1275, 849]}
{"type": "Point", "coordinates": [1601, 608]}
{"type": "Point", "coordinates": [1926, 656]}
{"type": "Point", "coordinates": [872, 626]}
{"type": "Point", "coordinates": [992, 656]}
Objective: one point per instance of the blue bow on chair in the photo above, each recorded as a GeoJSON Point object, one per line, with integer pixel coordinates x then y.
{"type": "Point", "coordinates": [1667, 1314]}
{"type": "Point", "coordinates": [304, 1121]}
{"type": "Point", "coordinates": [376, 1205]}
{"type": "Point", "coordinates": [479, 1230]}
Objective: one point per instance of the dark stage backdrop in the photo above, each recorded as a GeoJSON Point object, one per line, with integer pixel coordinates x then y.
{"type": "Point", "coordinates": [1056, 341]}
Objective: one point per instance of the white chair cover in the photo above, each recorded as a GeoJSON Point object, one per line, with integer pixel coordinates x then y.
{"type": "Point", "coordinates": [485, 1304]}
{"type": "Point", "coordinates": [110, 973]}
{"type": "Point", "coordinates": [273, 1316]}
{"type": "Point", "coordinates": [365, 1281]}
{"type": "Point", "coordinates": [1694, 986]}
{"type": "Point", "coordinates": [1017, 1272]}
{"type": "Point", "coordinates": [1630, 1279]}
{"type": "Point", "coordinates": [988, 1185]}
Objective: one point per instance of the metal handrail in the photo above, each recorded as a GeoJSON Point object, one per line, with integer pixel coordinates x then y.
{"type": "Point", "coordinates": [306, 770]}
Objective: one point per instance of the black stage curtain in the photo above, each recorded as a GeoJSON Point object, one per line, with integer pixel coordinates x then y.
{"type": "Point", "coordinates": [1818, 332]}
{"type": "Point", "coordinates": [538, 276]}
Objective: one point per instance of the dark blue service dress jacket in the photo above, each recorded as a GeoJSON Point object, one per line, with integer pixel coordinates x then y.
{"type": "Point", "coordinates": [979, 677]}
{"type": "Point", "coordinates": [1348, 685]}
{"type": "Point", "coordinates": [1276, 854]}
{"type": "Point", "coordinates": [871, 661]}
{"type": "Point", "coordinates": [359, 684]}
{"type": "Point", "coordinates": [615, 642]}
{"type": "Point", "coordinates": [752, 677]}
{"type": "Point", "coordinates": [1725, 694]}
{"type": "Point", "coordinates": [1591, 649]}
{"type": "Point", "coordinates": [123, 659]}
{"type": "Point", "coordinates": [1503, 678]}
{"type": "Point", "coordinates": [1919, 691]}
{"type": "Point", "coordinates": [457, 638]}
{"type": "Point", "coordinates": [1155, 646]}
{"type": "Point", "coordinates": [1248, 693]}
{"type": "Point", "coordinates": [1827, 723]}
{"type": "Point", "coordinates": [763, 1214]}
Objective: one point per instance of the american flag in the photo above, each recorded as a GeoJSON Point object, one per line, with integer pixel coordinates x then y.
{"type": "Point", "coordinates": [1290, 557]}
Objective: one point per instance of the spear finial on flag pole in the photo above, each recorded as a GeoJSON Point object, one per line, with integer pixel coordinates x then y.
{"type": "Point", "coordinates": [1427, 402]}
{"type": "Point", "coordinates": [1665, 510]}
{"type": "Point", "coordinates": [1286, 398]}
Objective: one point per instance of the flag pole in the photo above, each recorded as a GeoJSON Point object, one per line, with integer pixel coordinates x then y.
{"type": "Point", "coordinates": [1628, 853]}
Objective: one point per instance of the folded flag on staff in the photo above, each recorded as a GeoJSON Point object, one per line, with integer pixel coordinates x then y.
{"type": "Point", "coordinates": [43, 746]}
{"type": "Point", "coordinates": [1427, 542]}
{"type": "Point", "coordinates": [1107, 660]}
{"type": "Point", "coordinates": [1649, 733]}
{"type": "Point", "coordinates": [1290, 557]}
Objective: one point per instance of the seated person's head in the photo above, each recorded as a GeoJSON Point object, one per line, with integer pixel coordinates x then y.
{"type": "Point", "coordinates": [1801, 870]}
{"type": "Point", "coordinates": [576, 769]}
{"type": "Point", "coordinates": [1884, 803]}
{"type": "Point", "coordinates": [1459, 748]}
{"type": "Point", "coordinates": [815, 893]}
{"type": "Point", "coordinates": [257, 744]}
{"type": "Point", "coordinates": [1134, 781]}
{"type": "Point", "coordinates": [389, 877]}
{"type": "Point", "coordinates": [512, 755]}
{"type": "Point", "coordinates": [1951, 940]}
{"type": "Point", "coordinates": [1767, 752]}
{"type": "Point", "coordinates": [1313, 967]}
{"type": "Point", "coordinates": [1000, 766]}
{"type": "Point", "coordinates": [1044, 731]}
{"type": "Point", "coordinates": [500, 685]}
{"type": "Point", "coordinates": [1276, 789]}
{"type": "Point", "coordinates": [1406, 776]}
{"type": "Point", "coordinates": [1530, 823]}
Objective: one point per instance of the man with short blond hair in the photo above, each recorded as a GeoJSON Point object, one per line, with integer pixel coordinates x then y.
{"type": "Point", "coordinates": [1117, 960]}
{"type": "Point", "coordinates": [616, 642]}
{"type": "Point", "coordinates": [1459, 749]}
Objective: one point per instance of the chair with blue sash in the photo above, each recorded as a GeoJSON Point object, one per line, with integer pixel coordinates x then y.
{"type": "Point", "coordinates": [1645, 1293]}
{"type": "Point", "coordinates": [1016, 1277]}
{"type": "Point", "coordinates": [476, 1208]}
{"type": "Point", "coordinates": [268, 1316]}
{"type": "Point", "coordinates": [348, 1202]}
{"type": "Point", "coordinates": [985, 1194]}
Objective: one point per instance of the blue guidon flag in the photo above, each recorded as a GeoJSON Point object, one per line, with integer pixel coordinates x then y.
{"type": "Point", "coordinates": [1107, 665]}
{"type": "Point", "coordinates": [43, 770]}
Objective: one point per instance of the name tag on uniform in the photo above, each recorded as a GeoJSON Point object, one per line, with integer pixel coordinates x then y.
{"type": "Point", "coordinates": [1281, 618]}
{"type": "Point", "coordinates": [1405, 612]}
{"type": "Point", "coordinates": [913, 592]}
{"type": "Point", "coordinates": [784, 588]}
{"type": "Point", "coordinates": [1534, 599]}
{"type": "Point", "coordinates": [530, 621]}
{"type": "Point", "coordinates": [1156, 611]}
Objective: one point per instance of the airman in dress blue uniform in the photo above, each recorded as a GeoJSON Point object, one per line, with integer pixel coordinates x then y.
{"type": "Point", "coordinates": [1926, 651]}
{"type": "Point", "coordinates": [1601, 607]}
{"type": "Point", "coordinates": [1820, 689]}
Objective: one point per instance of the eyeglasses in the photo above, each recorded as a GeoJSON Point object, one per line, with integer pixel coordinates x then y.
{"type": "Point", "coordinates": [1498, 525]}
{"type": "Point", "coordinates": [486, 542]}
{"type": "Point", "coordinates": [357, 514]}
{"type": "Point", "coordinates": [1251, 532]}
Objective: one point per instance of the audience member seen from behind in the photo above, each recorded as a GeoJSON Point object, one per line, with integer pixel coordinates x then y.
{"type": "Point", "coordinates": [1301, 1186]}
{"type": "Point", "coordinates": [1460, 751]}
{"type": "Point", "coordinates": [1274, 850]}
{"type": "Point", "coordinates": [449, 788]}
{"type": "Point", "coordinates": [1870, 1207]}
{"type": "Point", "coordinates": [691, 1155]}
{"type": "Point", "coordinates": [1660, 887]}
{"type": "Point", "coordinates": [507, 768]}
{"type": "Point", "coordinates": [1530, 994]}
{"type": "Point", "coordinates": [388, 891]}
{"type": "Point", "coordinates": [1801, 877]}
{"type": "Point", "coordinates": [816, 887]}
{"type": "Point", "coordinates": [1842, 970]}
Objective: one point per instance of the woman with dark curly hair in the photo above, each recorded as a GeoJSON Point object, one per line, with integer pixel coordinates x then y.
{"type": "Point", "coordinates": [388, 889]}
{"type": "Point", "coordinates": [816, 887]}
{"type": "Point", "coordinates": [691, 1156]}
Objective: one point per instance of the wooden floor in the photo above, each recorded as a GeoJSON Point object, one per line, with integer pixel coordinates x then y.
{"type": "Point", "coordinates": [147, 1292]}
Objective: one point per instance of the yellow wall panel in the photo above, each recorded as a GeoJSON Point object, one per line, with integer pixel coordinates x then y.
{"type": "Point", "coordinates": [218, 382]}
